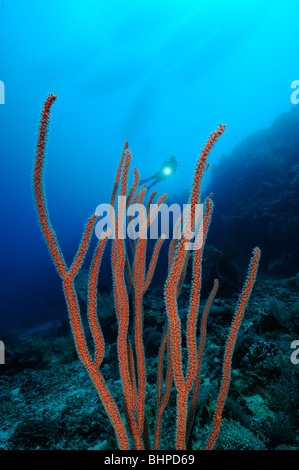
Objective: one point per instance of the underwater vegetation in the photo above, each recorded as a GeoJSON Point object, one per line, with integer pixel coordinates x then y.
{"type": "Point", "coordinates": [132, 276]}
{"type": "Point", "coordinates": [46, 397]}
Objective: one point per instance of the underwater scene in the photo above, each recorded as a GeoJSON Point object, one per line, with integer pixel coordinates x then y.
{"type": "Point", "coordinates": [149, 227]}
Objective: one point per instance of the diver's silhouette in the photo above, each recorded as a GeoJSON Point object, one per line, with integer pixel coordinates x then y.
{"type": "Point", "coordinates": [167, 169]}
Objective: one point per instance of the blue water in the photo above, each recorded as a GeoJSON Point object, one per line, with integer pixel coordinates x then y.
{"type": "Point", "coordinates": [160, 74]}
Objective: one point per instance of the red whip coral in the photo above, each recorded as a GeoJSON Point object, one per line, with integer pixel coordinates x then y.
{"type": "Point", "coordinates": [131, 431]}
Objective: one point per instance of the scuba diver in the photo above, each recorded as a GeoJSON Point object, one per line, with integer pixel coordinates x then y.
{"type": "Point", "coordinates": [167, 169]}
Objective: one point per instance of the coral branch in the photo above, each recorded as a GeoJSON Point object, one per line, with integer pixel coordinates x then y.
{"type": "Point", "coordinates": [127, 273]}
{"type": "Point", "coordinates": [161, 403]}
{"type": "Point", "coordinates": [202, 339]}
{"type": "Point", "coordinates": [68, 280]}
{"type": "Point", "coordinates": [230, 345]}
{"type": "Point", "coordinates": [39, 190]}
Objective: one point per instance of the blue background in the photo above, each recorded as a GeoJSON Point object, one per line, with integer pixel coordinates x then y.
{"type": "Point", "coordinates": [160, 74]}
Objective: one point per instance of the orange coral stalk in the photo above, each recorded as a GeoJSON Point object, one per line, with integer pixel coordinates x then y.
{"type": "Point", "coordinates": [122, 304]}
{"type": "Point", "coordinates": [201, 167]}
{"type": "Point", "coordinates": [39, 189]}
{"type": "Point", "coordinates": [134, 187]}
{"type": "Point", "coordinates": [69, 275]}
{"type": "Point", "coordinates": [153, 262]}
{"type": "Point", "coordinates": [161, 403]}
{"type": "Point", "coordinates": [95, 327]}
{"type": "Point", "coordinates": [117, 177]}
{"type": "Point", "coordinates": [150, 201]}
{"type": "Point", "coordinates": [83, 247]}
{"type": "Point", "coordinates": [131, 352]}
{"type": "Point", "coordinates": [202, 339]}
{"type": "Point", "coordinates": [195, 299]}
{"type": "Point", "coordinates": [141, 283]}
{"type": "Point", "coordinates": [92, 369]}
{"type": "Point", "coordinates": [230, 345]}
{"type": "Point", "coordinates": [184, 383]}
